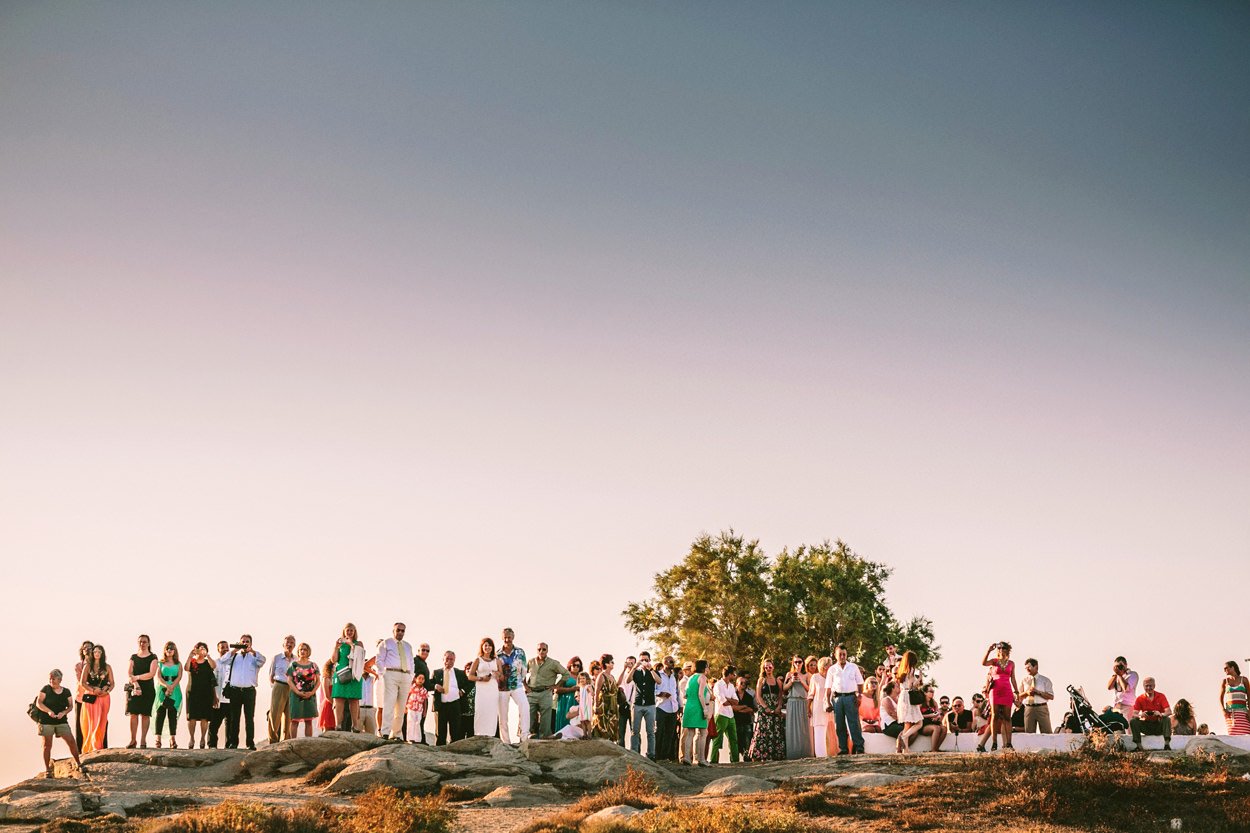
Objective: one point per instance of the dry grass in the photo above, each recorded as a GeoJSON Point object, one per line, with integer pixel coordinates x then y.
{"type": "Point", "coordinates": [387, 810]}
{"type": "Point", "coordinates": [633, 788]}
{"type": "Point", "coordinates": [709, 818]}
{"type": "Point", "coordinates": [380, 810]}
{"type": "Point", "coordinates": [324, 772]}
{"type": "Point", "coordinates": [102, 824]}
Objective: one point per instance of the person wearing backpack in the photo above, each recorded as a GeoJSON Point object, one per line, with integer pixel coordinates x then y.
{"type": "Point", "coordinates": [51, 711]}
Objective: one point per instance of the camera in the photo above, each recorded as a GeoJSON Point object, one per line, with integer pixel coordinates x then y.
{"type": "Point", "coordinates": [131, 689]}
{"type": "Point", "coordinates": [239, 646]}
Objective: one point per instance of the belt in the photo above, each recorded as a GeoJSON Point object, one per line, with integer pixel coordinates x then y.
{"type": "Point", "coordinates": [845, 693]}
{"type": "Point", "coordinates": [281, 682]}
{"type": "Point", "coordinates": [534, 689]}
{"type": "Point", "coordinates": [400, 670]}
{"type": "Point", "coordinates": [1035, 705]}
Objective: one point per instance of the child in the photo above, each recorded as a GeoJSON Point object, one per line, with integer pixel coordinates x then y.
{"type": "Point", "coordinates": [585, 702]}
{"type": "Point", "coordinates": [418, 698]}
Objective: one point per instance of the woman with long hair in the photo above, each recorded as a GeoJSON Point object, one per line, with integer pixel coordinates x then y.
{"type": "Point", "coordinates": [1003, 692]}
{"type": "Point", "coordinates": [694, 718]}
{"type": "Point", "coordinates": [201, 671]}
{"type": "Point", "coordinates": [84, 656]}
{"type": "Point", "coordinates": [97, 683]}
{"type": "Point", "coordinates": [1183, 722]}
{"type": "Point", "coordinates": [304, 679]}
{"type": "Point", "coordinates": [798, 724]}
{"type": "Point", "coordinates": [1233, 691]}
{"type": "Point", "coordinates": [817, 700]}
{"type": "Point", "coordinates": [910, 699]}
{"type": "Point", "coordinates": [607, 718]}
{"type": "Point", "coordinates": [566, 694]}
{"type": "Point", "coordinates": [349, 671]}
{"type": "Point", "coordinates": [141, 674]}
{"type": "Point", "coordinates": [768, 741]}
{"type": "Point", "coordinates": [870, 706]}
{"type": "Point", "coordinates": [326, 721]}
{"type": "Point", "coordinates": [485, 672]}
{"type": "Point", "coordinates": [168, 694]}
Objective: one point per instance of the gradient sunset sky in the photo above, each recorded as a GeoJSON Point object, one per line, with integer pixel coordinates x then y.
{"type": "Point", "coordinates": [476, 314]}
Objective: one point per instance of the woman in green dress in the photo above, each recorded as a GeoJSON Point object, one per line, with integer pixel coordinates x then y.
{"type": "Point", "coordinates": [304, 678]}
{"type": "Point", "coordinates": [694, 717]}
{"type": "Point", "coordinates": [566, 694]}
{"type": "Point", "coordinates": [349, 668]}
{"type": "Point", "coordinates": [168, 694]}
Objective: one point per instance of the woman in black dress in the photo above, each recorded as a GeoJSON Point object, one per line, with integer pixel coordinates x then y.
{"type": "Point", "coordinates": [142, 694]}
{"type": "Point", "coordinates": [201, 691]}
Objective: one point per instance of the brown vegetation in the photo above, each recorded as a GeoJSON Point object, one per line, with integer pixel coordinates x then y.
{"type": "Point", "coordinates": [324, 772]}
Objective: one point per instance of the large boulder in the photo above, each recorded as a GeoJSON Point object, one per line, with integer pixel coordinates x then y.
{"type": "Point", "coordinates": [156, 770]}
{"type": "Point", "coordinates": [171, 758]}
{"type": "Point", "coordinates": [524, 796]}
{"type": "Point", "coordinates": [615, 813]}
{"type": "Point", "coordinates": [1209, 745]}
{"type": "Point", "coordinates": [868, 779]}
{"type": "Point", "coordinates": [479, 785]}
{"type": "Point", "coordinates": [738, 785]}
{"type": "Point", "coordinates": [393, 765]}
{"type": "Point", "coordinates": [594, 762]}
{"type": "Point", "coordinates": [473, 757]}
{"type": "Point", "coordinates": [121, 803]}
{"type": "Point", "coordinates": [26, 806]}
{"type": "Point", "coordinates": [308, 751]}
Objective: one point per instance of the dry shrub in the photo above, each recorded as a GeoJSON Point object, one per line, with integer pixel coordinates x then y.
{"type": "Point", "coordinates": [827, 802]}
{"type": "Point", "coordinates": [324, 772]}
{"type": "Point", "coordinates": [387, 810]}
{"type": "Point", "coordinates": [634, 788]}
{"type": "Point", "coordinates": [710, 818]}
{"type": "Point", "coordinates": [104, 824]}
{"type": "Point", "coordinates": [248, 818]}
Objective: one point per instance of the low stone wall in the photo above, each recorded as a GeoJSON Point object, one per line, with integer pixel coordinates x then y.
{"type": "Point", "coordinates": [966, 742]}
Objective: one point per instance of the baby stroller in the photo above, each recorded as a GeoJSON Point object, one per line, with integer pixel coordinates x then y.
{"type": "Point", "coordinates": [1086, 715]}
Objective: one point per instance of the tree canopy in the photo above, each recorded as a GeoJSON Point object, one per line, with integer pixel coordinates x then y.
{"type": "Point", "coordinates": [727, 601]}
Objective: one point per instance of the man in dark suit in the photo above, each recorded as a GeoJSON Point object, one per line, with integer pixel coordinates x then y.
{"type": "Point", "coordinates": [450, 686]}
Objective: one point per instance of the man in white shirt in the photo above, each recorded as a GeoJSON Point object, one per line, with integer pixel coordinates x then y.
{"type": "Point", "coordinates": [1124, 683]}
{"type": "Point", "coordinates": [1037, 692]}
{"type": "Point", "coordinates": [242, 675]}
{"type": "Point", "coordinates": [280, 692]}
{"type": "Point", "coordinates": [725, 694]}
{"type": "Point", "coordinates": [394, 663]}
{"type": "Point", "coordinates": [666, 708]}
{"type": "Point", "coordinates": [221, 708]}
{"type": "Point", "coordinates": [844, 684]}
{"type": "Point", "coordinates": [450, 686]}
{"type": "Point", "coordinates": [369, 686]}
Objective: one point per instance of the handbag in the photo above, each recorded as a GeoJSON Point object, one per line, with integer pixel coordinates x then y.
{"type": "Point", "coordinates": [89, 698]}
{"type": "Point", "coordinates": [916, 697]}
{"type": "Point", "coordinates": [344, 675]}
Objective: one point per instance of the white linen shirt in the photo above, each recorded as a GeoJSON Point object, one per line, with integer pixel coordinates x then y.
{"type": "Point", "coordinates": [278, 668]}
{"type": "Point", "coordinates": [667, 685]}
{"type": "Point", "coordinates": [243, 670]}
{"type": "Point", "coordinates": [723, 691]}
{"type": "Point", "coordinates": [845, 679]}
{"type": "Point", "coordinates": [451, 689]}
{"type": "Point", "coordinates": [392, 654]}
{"type": "Point", "coordinates": [1041, 684]}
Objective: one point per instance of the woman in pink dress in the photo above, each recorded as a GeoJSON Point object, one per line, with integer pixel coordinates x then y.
{"type": "Point", "coordinates": [1003, 691]}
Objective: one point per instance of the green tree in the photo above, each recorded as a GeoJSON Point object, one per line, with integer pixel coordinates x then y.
{"type": "Point", "coordinates": [726, 601]}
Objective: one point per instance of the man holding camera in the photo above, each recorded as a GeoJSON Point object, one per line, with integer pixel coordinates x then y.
{"type": "Point", "coordinates": [1124, 683]}
{"type": "Point", "coordinates": [644, 679]}
{"type": "Point", "coordinates": [1154, 715]}
{"type": "Point", "coordinates": [242, 674]}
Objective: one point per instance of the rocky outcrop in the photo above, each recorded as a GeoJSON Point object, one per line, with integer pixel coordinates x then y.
{"type": "Point", "coordinates": [738, 785]}
{"type": "Point", "coordinates": [24, 805]}
{"type": "Point", "coordinates": [615, 813]}
{"type": "Point", "coordinates": [868, 779]}
{"type": "Point", "coordinates": [393, 765]}
{"type": "Point", "coordinates": [592, 763]}
{"type": "Point", "coordinates": [530, 795]}
{"type": "Point", "coordinates": [308, 751]}
{"type": "Point", "coordinates": [1208, 745]}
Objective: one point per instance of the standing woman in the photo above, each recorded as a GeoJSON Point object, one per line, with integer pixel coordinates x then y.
{"type": "Point", "coordinates": [349, 670]}
{"type": "Point", "coordinates": [326, 721]}
{"type": "Point", "coordinates": [607, 717]}
{"type": "Point", "coordinates": [768, 742]}
{"type": "Point", "coordinates": [485, 673]}
{"type": "Point", "coordinates": [1004, 692]}
{"type": "Point", "coordinates": [304, 679]}
{"type": "Point", "coordinates": [818, 700]}
{"type": "Point", "coordinates": [168, 694]}
{"type": "Point", "coordinates": [566, 694]}
{"type": "Point", "coordinates": [142, 696]}
{"type": "Point", "coordinates": [798, 724]}
{"type": "Point", "coordinates": [1233, 691]}
{"type": "Point", "coordinates": [97, 683]}
{"type": "Point", "coordinates": [694, 717]}
{"type": "Point", "coordinates": [201, 692]}
{"type": "Point", "coordinates": [54, 705]}
{"type": "Point", "coordinates": [910, 699]}
{"type": "Point", "coordinates": [84, 656]}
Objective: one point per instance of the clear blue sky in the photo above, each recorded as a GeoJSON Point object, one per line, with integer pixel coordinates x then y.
{"type": "Point", "coordinates": [468, 312]}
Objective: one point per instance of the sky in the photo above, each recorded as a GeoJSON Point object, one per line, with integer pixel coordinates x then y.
{"type": "Point", "coordinates": [477, 314]}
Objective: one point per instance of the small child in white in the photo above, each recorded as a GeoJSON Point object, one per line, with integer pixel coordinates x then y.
{"type": "Point", "coordinates": [418, 698]}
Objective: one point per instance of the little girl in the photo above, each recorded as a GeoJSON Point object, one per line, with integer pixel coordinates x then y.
{"type": "Point", "coordinates": [585, 702]}
{"type": "Point", "coordinates": [418, 699]}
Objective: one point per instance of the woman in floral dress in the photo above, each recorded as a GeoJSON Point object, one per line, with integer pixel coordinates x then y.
{"type": "Point", "coordinates": [768, 742]}
{"type": "Point", "coordinates": [607, 713]}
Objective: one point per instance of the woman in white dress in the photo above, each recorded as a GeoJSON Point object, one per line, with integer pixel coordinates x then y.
{"type": "Point", "coordinates": [909, 679]}
{"type": "Point", "coordinates": [485, 673]}
{"type": "Point", "coordinates": [817, 703]}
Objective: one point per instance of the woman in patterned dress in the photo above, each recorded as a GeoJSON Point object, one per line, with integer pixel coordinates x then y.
{"type": "Point", "coordinates": [303, 678]}
{"type": "Point", "coordinates": [768, 742]}
{"type": "Point", "coordinates": [607, 718]}
{"type": "Point", "coordinates": [907, 675]}
{"type": "Point", "coordinates": [97, 683]}
{"type": "Point", "coordinates": [1233, 691]}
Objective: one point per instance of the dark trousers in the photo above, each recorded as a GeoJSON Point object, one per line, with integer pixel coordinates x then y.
{"type": "Point", "coordinates": [1151, 727]}
{"type": "Point", "coordinates": [846, 716]}
{"type": "Point", "coordinates": [167, 709]}
{"type": "Point", "coordinates": [449, 722]}
{"type": "Point", "coordinates": [242, 706]}
{"type": "Point", "coordinates": [214, 724]}
{"type": "Point", "coordinates": [665, 735]}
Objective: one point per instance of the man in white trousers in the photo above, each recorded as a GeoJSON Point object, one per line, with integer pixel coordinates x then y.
{"type": "Point", "coordinates": [511, 689]}
{"type": "Point", "coordinates": [395, 663]}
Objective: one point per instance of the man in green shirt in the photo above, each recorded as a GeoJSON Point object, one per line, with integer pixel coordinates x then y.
{"type": "Point", "coordinates": [542, 675]}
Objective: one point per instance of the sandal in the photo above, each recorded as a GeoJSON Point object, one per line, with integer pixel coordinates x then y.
{"type": "Point", "coordinates": [173, 743]}
{"type": "Point", "coordinates": [980, 748]}
{"type": "Point", "coordinates": [131, 745]}
{"type": "Point", "coordinates": [158, 743]}
{"type": "Point", "coordinates": [50, 772]}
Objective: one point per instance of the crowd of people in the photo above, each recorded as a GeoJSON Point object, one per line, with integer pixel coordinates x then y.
{"type": "Point", "coordinates": [686, 713]}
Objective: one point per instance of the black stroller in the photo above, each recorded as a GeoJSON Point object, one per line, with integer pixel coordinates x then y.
{"type": "Point", "coordinates": [1089, 719]}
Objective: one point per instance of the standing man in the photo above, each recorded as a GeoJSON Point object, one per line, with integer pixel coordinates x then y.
{"type": "Point", "coordinates": [891, 662]}
{"type": "Point", "coordinates": [449, 685]}
{"type": "Point", "coordinates": [666, 712]}
{"type": "Point", "coordinates": [1037, 692]}
{"type": "Point", "coordinates": [221, 706]}
{"type": "Point", "coordinates": [726, 695]}
{"type": "Point", "coordinates": [844, 684]}
{"type": "Point", "coordinates": [541, 676]}
{"type": "Point", "coordinates": [511, 689]}
{"type": "Point", "coordinates": [420, 666]}
{"type": "Point", "coordinates": [625, 698]}
{"type": "Point", "coordinates": [395, 662]}
{"type": "Point", "coordinates": [645, 679]}
{"type": "Point", "coordinates": [280, 692]}
{"type": "Point", "coordinates": [1154, 715]}
{"type": "Point", "coordinates": [1124, 683]}
{"type": "Point", "coordinates": [242, 674]}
